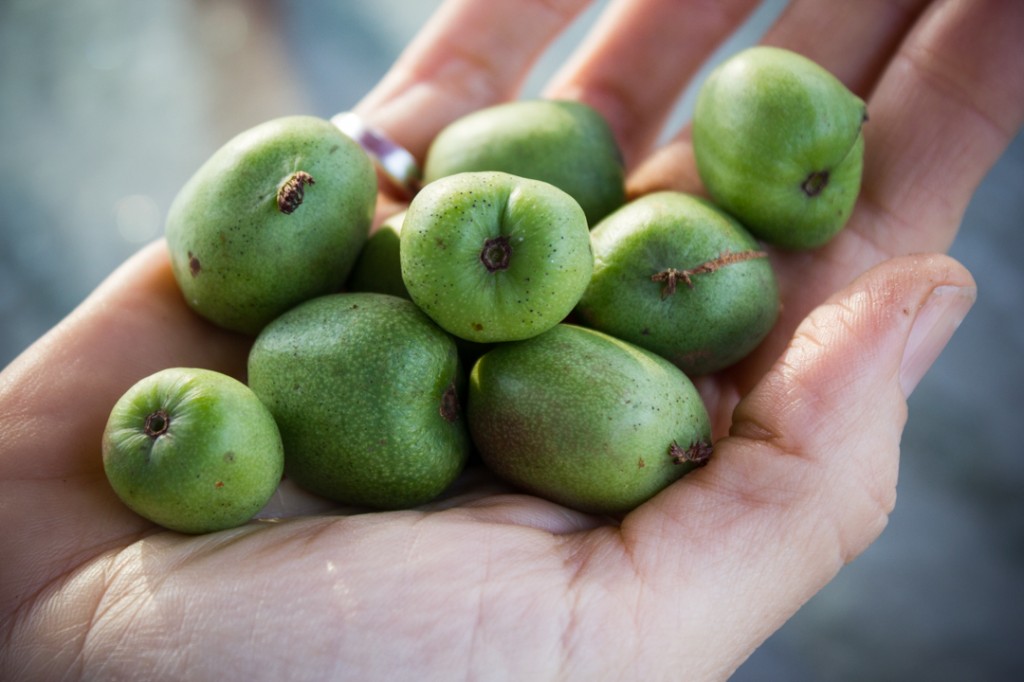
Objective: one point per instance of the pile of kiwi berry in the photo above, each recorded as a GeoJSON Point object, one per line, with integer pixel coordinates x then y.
{"type": "Point", "coordinates": [521, 314]}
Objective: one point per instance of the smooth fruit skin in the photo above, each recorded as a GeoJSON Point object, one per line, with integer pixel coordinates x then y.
{"type": "Point", "coordinates": [778, 144]}
{"type": "Point", "coordinates": [379, 266]}
{"type": "Point", "coordinates": [192, 450]}
{"type": "Point", "coordinates": [241, 254]}
{"type": "Point", "coordinates": [703, 326]}
{"type": "Point", "coordinates": [365, 390]}
{"type": "Point", "coordinates": [495, 257]}
{"type": "Point", "coordinates": [567, 144]}
{"type": "Point", "coordinates": [585, 420]}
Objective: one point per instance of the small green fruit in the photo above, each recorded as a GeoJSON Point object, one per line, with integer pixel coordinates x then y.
{"type": "Point", "coordinates": [567, 144]}
{"type": "Point", "coordinates": [192, 450]}
{"type": "Point", "coordinates": [495, 257]}
{"type": "Point", "coordinates": [778, 144]}
{"type": "Point", "coordinates": [276, 216]}
{"type": "Point", "coordinates": [379, 269]}
{"type": "Point", "coordinates": [677, 276]}
{"type": "Point", "coordinates": [379, 266]}
{"type": "Point", "coordinates": [586, 420]}
{"type": "Point", "coordinates": [365, 390]}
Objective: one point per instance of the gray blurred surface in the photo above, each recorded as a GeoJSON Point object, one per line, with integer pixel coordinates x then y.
{"type": "Point", "coordinates": [107, 106]}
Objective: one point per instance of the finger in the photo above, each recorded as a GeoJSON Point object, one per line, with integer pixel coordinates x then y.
{"type": "Point", "coordinates": [853, 40]}
{"type": "Point", "coordinates": [470, 55]}
{"type": "Point", "coordinates": [54, 403]}
{"type": "Point", "coordinates": [639, 58]}
{"type": "Point", "coordinates": [942, 114]}
{"type": "Point", "coordinates": [930, 140]}
{"type": "Point", "coordinates": [807, 477]}
{"type": "Point", "coordinates": [59, 390]}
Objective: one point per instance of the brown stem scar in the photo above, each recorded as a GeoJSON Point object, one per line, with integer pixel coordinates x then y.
{"type": "Point", "coordinates": [814, 183]}
{"type": "Point", "coordinates": [698, 454]}
{"type": "Point", "coordinates": [157, 423]}
{"type": "Point", "coordinates": [292, 191]}
{"type": "Point", "coordinates": [671, 277]}
{"type": "Point", "coordinates": [450, 404]}
{"type": "Point", "coordinates": [496, 254]}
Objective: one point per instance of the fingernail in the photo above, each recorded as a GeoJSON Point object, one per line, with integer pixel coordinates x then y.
{"type": "Point", "coordinates": [939, 316]}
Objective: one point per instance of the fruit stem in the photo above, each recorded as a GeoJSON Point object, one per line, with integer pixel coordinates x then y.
{"type": "Point", "coordinates": [671, 277]}
{"type": "Point", "coordinates": [496, 254]}
{"type": "Point", "coordinates": [698, 454]}
{"type": "Point", "coordinates": [292, 191]}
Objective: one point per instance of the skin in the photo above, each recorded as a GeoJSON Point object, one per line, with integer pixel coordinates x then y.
{"type": "Point", "coordinates": [564, 143]}
{"type": "Point", "coordinates": [192, 450]}
{"type": "Point", "coordinates": [617, 426]}
{"type": "Point", "coordinates": [274, 217]}
{"type": "Point", "coordinates": [495, 257]}
{"type": "Point", "coordinates": [687, 585]}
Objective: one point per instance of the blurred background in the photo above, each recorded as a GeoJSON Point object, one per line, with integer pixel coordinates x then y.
{"type": "Point", "coordinates": [108, 106]}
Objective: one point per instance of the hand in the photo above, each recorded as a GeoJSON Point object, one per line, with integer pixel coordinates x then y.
{"type": "Point", "coordinates": [490, 584]}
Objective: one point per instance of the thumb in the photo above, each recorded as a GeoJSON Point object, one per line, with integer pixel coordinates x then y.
{"type": "Point", "coordinates": [806, 478]}
{"type": "Point", "coordinates": [836, 399]}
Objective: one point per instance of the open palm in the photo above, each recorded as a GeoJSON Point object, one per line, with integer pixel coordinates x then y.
{"type": "Point", "coordinates": [489, 583]}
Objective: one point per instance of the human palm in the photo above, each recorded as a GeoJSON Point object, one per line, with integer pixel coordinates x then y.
{"type": "Point", "coordinates": [489, 583]}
